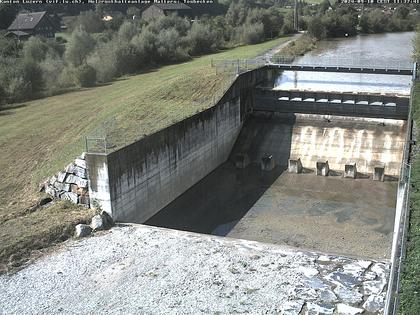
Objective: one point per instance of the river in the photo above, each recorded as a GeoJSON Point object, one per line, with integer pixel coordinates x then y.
{"type": "Point", "coordinates": [380, 50]}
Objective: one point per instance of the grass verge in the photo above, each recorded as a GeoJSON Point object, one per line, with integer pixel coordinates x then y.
{"type": "Point", "coordinates": [38, 138]}
{"type": "Point", "coordinates": [410, 284]}
{"type": "Point", "coordinates": [298, 47]}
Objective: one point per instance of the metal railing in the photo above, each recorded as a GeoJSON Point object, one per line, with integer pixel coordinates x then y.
{"type": "Point", "coordinates": [356, 62]}
{"type": "Point", "coordinates": [237, 66]}
{"type": "Point", "coordinates": [400, 225]}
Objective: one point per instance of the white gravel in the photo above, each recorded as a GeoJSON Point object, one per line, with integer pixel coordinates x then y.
{"type": "Point", "coordinates": [137, 269]}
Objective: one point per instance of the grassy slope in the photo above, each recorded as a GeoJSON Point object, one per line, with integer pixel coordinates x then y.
{"type": "Point", "coordinates": [40, 137]}
{"type": "Point", "coordinates": [410, 295]}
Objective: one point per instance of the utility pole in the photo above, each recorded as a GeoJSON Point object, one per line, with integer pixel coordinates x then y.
{"type": "Point", "coordinates": [296, 16]}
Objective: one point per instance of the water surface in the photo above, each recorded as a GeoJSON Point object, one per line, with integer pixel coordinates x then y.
{"type": "Point", "coordinates": [379, 50]}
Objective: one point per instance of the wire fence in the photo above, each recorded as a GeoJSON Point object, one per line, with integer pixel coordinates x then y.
{"type": "Point", "coordinates": [401, 225]}
{"type": "Point", "coordinates": [237, 66]}
{"type": "Point", "coordinates": [351, 62]}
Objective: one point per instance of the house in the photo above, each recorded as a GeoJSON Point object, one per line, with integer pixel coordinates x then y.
{"type": "Point", "coordinates": [30, 24]}
{"type": "Point", "coordinates": [164, 9]}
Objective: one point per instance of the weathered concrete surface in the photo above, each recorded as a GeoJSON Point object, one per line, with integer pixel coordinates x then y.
{"type": "Point", "coordinates": [367, 142]}
{"type": "Point", "coordinates": [332, 214]}
{"type": "Point", "coordinates": [139, 269]}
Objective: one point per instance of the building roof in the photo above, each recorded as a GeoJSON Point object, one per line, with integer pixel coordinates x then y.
{"type": "Point", "coordinates": [17, 33]}
{"type": "Point", "coordinates": [26, 21]}
{"type": "Point", "coordinates": [172, 6]}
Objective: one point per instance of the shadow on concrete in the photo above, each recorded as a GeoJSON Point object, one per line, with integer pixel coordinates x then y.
{"type": "Point", "coordinates": [216, 203]}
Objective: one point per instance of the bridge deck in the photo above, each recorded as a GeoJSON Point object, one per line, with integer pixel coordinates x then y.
{"type": "Point", "coordinates": [332, 103]}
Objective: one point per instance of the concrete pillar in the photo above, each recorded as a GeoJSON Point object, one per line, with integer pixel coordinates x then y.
{"type": "Point", "coordinates": [241, 160]}
{"type": "Point", "coordinates": [295, 165]}
{"type": "Point", "coordinates": [379, 172]}
{"type": "Point", "coordinates": [322, 167]}
{"type": "Point", "coordinates": [350, 170]}
{"type": "Point", "coordinates": [267, 163]}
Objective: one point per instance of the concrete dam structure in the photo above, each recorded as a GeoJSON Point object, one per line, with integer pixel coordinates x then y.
{"type": "Point", "coordinates": [224, 172]}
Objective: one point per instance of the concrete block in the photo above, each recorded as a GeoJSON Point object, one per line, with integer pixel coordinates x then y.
{"type": "Point", "coordinates": [295, 165]}
{"type": "Point", "coordinates": [61, 177]}
{"type": "Point", "coordinates": [242, 160]}
{"type": "Point", "coordinates": [53, 180]}
{"type": "Point", "coordinates": [267, 163]}
{"type": "Point", "coordinates": [80, 163]}
{"type": "Point", "coordinates": [350, 170]}
{"type": "Point", "coordinates": [82, 192]}
{"type": "Point", "coordinates": [322, 167]}
{"type": "Point", "coordinates": [379, 172]}
{"type": "Point", "coordinates": [62, 186]}
{"type": "Point", "coordinates": [81, 172]}
{"type": "Point", "coordinates": [73, 179]}
{"type": "Point", "coordinates": [73, 188]}
{"type": "Point", "coordinates": [50, 190]}
{"type": "Point", "coordinates": [70, 168]}
{"type": "Point", "coordinates": [70, 196]}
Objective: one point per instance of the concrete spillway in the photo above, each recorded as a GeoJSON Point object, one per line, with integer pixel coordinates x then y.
{"type": "Point", "coordinates": [333, 214]}
{"type": "Point", "coordinates": [367, 142]}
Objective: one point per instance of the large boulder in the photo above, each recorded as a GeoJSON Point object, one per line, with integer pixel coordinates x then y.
{"type": "Point", "coordinates": [82, 230]}
{"type": "Point", "coordinates": [102, 221]}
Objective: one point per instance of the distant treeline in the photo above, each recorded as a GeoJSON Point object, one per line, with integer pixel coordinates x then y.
{"type": "Point", "coordinates": [347, 21]}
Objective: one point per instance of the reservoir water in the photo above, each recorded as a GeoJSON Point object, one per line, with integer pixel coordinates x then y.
{"type": "Point", "coordinates": [392, 50]}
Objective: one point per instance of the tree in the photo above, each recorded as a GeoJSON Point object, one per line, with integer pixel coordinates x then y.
{"type": "Point", "coordinates": [86, 75]}
{"type": "Point", "coordinates": [236, 13]}
{"type": "Point", "coordinates": [127, 31]}
{"type": "Point", "coordinates": [7, 14]}
{"type": "Point", "coordinates": [201, 39]}
{"type": "Point", "coordinates": [90, 21]}
{"type": "Point", "coordinates": [316, 28]}
{"type": "Point", "coordinates": [78, 47]}
{"type": "Point", "coordinates": [416, 44]}
{"type": "Point", "coordinates": [35, 48]}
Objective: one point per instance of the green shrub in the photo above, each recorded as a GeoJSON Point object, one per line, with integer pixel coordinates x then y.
{"type": "Point", "coordinates": [78, 47]}
{"type": "Point", "coordinates": [250, 33]}
{"type": "Point", "coordinates": [85, 75]}
{"type": "Point", "coordinates": [201, 39]}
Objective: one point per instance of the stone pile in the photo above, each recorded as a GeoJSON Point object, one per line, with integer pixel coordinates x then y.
{"type": "Point", "coordinates": [70, 184]}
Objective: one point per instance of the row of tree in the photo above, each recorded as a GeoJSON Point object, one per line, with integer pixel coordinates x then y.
{"type": "Point", "coordinates": [345, 21]}
{"type": "Point", "coordinates": [97, 54]}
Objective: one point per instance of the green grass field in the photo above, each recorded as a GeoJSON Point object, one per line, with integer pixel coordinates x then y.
{"type": "Point", "coordinates": [38, 138]}
{"type": "Point", "coordinates": [410, 285]}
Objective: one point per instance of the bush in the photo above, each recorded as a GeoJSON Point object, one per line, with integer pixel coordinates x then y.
{"type": "Point", "coordinates": [52, 67]}
{"type": "Point", "coordinates": [145, 45]}
{"type": "Point", "coordinates": [35, 48]}
{"type": "Point", "coordinates": [79, 46]}
{"type": "Point", "coordinates": [127, 31]}
{"type": "Point", "coordinates": [201, 39]}
{"type": "Point", "coordinates": [316, 28]}
{"type": "Point", "coordinates": [169, 46]}
{"type": "Point", "coordinates": [32, 74]}
{"type": "Point", "coordinates": [89, 21]}
{"type": "Point", "coordinates": [85, 75]}
{"type": "Point", "coordinates": [250, 33]}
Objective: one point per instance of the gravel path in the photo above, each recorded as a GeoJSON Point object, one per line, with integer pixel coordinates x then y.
{"type": "Point", "coordinates": [137, 269]}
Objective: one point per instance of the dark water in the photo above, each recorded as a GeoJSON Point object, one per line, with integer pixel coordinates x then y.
{"type": "Point", "coordinates": [392, 50]}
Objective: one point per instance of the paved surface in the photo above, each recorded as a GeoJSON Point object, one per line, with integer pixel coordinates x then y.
{"type": "Point", "coordinates": [148, 270]}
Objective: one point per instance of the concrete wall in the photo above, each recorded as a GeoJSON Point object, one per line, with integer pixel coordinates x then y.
{"type": "Point", "coordinates": [367, 142]}
{"type": "Point", "coordinates": [137, 181]}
